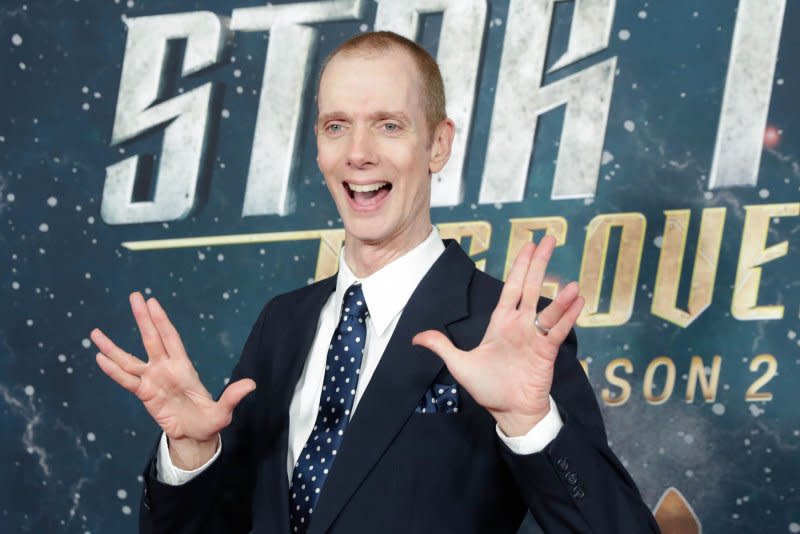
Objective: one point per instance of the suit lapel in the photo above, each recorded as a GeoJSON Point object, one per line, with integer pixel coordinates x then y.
{"type": "Point", "coordinates": [286, 366]}
{"type": "Point", "coordinates": [302, 321]}
{"type": "Point", "coordinates": [404, 374]}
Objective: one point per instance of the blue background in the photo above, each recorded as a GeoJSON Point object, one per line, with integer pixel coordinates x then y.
{"type": "Point", "coordinates": [74, 444]}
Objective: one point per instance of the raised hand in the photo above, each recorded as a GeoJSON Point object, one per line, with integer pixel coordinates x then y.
{"type": "Point", "coordinates": [511, 371]}
{"type": "Point", "coordinates": [168, 385]}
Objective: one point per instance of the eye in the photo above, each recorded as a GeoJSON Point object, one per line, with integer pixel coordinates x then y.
{"type": "Point", "coordinates": [334, 128]}
{"type": "Point", "coordinates": [391, 127]}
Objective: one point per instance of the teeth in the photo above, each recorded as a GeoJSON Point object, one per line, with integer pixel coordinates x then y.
{"type": "Point", "coordinates": [366, 188]}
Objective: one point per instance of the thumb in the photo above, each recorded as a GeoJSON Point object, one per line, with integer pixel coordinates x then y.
{"type": "Point", "coordinates": [235, 392]}
{"type": "Point", "coordinates": [437, 343]}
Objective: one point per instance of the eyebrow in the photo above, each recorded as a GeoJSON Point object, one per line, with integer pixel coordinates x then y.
{"type": "Point", "coordinates": [398, 115]}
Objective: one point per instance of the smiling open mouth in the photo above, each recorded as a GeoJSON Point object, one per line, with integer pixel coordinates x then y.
{"type": "Point", "coordinates": [368, 194]}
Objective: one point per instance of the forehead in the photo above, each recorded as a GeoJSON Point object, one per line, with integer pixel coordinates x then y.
{"type": "Point", "coordinates": [362, 80]}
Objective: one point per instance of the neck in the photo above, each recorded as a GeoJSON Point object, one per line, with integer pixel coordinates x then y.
{"type": "Point", "coordinates": [365, 258]}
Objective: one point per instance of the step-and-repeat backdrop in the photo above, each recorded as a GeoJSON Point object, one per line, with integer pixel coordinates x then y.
{"type": "Point", "coordinates": [167, 147]}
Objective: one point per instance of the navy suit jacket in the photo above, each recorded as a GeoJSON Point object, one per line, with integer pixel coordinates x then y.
{"type": "Point", "coordinates": [397, 470]}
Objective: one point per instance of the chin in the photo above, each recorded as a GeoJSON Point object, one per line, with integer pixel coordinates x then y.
{"type": "Point", "coordinates": [365, 234]}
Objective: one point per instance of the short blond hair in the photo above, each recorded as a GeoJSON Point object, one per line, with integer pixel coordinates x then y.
{"type": "Point", "coordinates": [433, 98]}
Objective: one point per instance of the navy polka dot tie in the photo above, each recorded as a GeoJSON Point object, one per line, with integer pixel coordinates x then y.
{"type": "Point", "coordinates": [335, 404]}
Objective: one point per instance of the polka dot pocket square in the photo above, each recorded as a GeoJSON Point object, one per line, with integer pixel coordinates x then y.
{"type": "Point", "coordinates": [440, 398]}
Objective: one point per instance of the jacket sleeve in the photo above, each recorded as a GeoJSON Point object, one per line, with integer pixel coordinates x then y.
{"type": "Point", "coordinates": [218, 499]}
{"type": "Point", "coordinates": [577, 484]}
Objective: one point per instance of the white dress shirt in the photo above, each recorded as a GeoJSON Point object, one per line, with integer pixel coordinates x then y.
{"type": "Point", "coordinates": [386, 293]}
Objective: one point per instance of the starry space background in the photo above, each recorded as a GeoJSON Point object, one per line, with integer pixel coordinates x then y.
{"type": "Point", "coordinates": [74, 444]}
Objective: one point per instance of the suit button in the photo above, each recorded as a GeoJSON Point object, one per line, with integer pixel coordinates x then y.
{"type": "Point", "coordinates": [577, 492]}
{"type": "Point", "coordinates": [572, 478]}
{"type": "Point", "coordinates": [562, 463]}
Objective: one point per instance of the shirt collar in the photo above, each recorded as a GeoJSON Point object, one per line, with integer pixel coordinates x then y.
{"type": "Point", "coordinates": [387, 290]}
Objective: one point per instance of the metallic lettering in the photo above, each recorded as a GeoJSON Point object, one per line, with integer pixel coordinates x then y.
{"type": "Point", "coordinates": [669, 381]}
{"type": "Point", "coordinates": [748, 89]}
{"type": "Point", "coordinates": [752, 255]}
{"type": "Point", "coordinates": [521, 98]}
{"type": "Point", "coordinates": [697, 374]}
{"type": "Point", "coordinates": [625, 387]}
{"type": "Point", "coordinates": [626, 272]}
{"type": "Point", "coordinates": [670, 263]}
{"type": "Point", "coordinates": [754, 393]}
{"type": "Point", "coordinates": [479, 232]}
{"type": "Point", "coordinates": [184, 137]}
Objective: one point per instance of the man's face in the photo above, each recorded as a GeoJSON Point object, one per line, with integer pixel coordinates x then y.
{"type": "Point", "coordinates": [375, 149]}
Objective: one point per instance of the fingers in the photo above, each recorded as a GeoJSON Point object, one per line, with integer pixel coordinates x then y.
{"type": "Point", "coordinates": [117, 374]}
{"type": "Point", "coordinates": [535, 274]}
{"type": "Point", "coordinates": [235, 392]}
{"type": "Point", "coordinates": [559, 332]}
{"type": "Point", "coordinates": [130, 364]}
{"type": "Point", "coordinates": [150, 336]}
{"type": "Point", "coordinates": [512, 289]}
{"type": "Point", "coordinates": [169, 335]}
{"type": "Point", "coordinates": [549, 316]}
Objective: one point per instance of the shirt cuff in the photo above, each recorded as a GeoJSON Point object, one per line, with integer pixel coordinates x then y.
{"type": "Point", "coordinates": [167, 473]}
{"type": "Point", "coordinates": [537, 437]}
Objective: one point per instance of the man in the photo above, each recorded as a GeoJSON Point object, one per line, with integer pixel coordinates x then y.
{"type": "Point", "coordinates": [514, 423]}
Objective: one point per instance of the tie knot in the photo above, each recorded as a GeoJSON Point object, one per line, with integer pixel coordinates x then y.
{"type": "Point", "coordinates": [354, 307]}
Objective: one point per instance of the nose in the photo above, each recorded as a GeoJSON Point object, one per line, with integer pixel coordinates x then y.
{"type": "Point", "coordinates": [362, 151]}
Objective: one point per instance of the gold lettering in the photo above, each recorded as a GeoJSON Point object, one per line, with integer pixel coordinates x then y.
{"type": "Point", "coordinates": [626, 273]}
{"type": "Point", "coordinates": [330, 243]}
{"type": "Point", "coordinates": [697, 373]}
{"type": "Point", "coordinates": [224, 240]}
{"type": "Point", "coordinates": [669, 382]}
{"type": "Point", "coordinates": [479, 232]}
{"type": "Point", "coordinates": [753, 393]}
{"type": "Point", "coordinates": [670, 263]}
{"type": "Point", "coordinates": [755, 253]}
{"type": "Point", "coordinates": [625, 387]}
{"type": "Point", "coordinates": [522, 231]}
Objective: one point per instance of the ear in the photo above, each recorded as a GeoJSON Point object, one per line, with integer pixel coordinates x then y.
{"type": "Point", "coordinates": [441, 145]}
